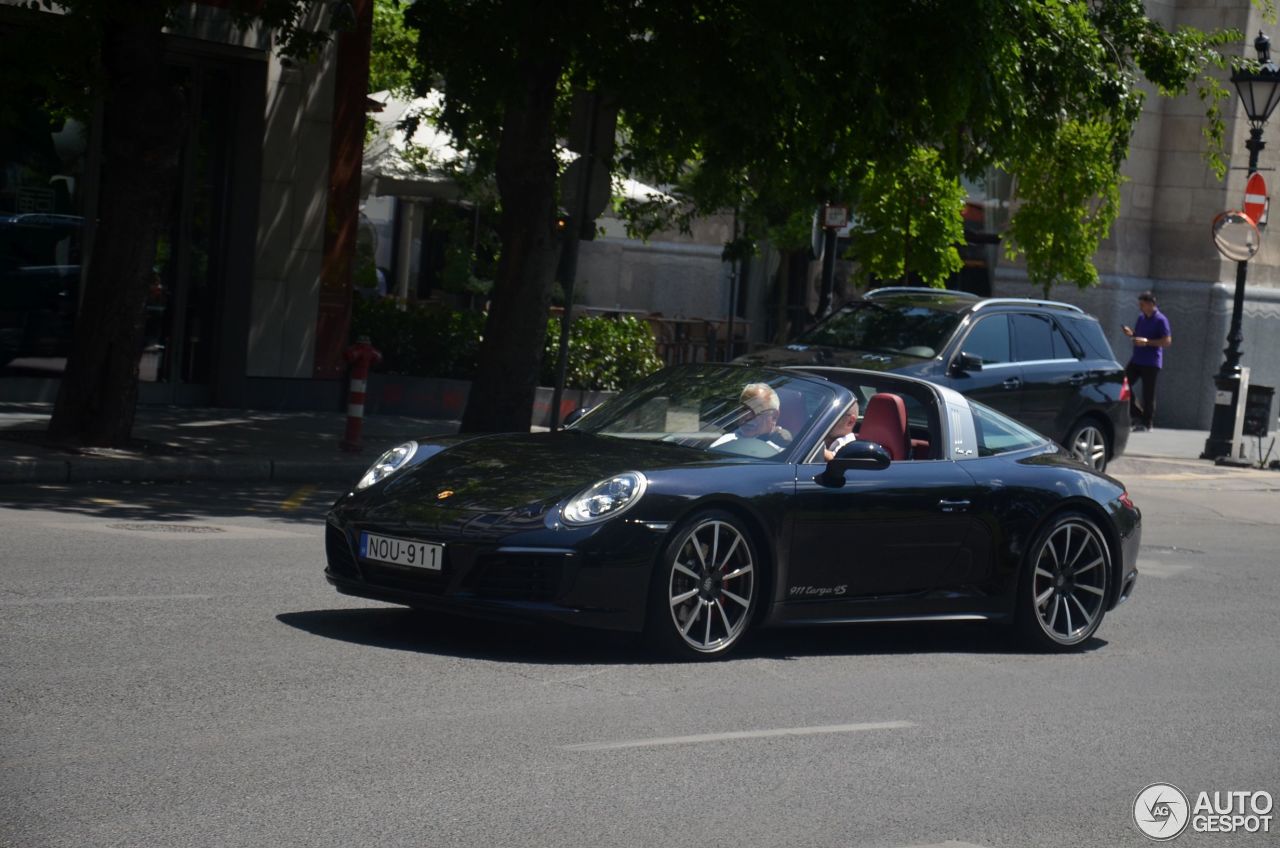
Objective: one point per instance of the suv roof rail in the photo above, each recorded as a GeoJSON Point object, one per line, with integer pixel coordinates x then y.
{"type": "Point", "coordinates": [919, 290]}
{"type": "Point", "coordinates": [45, 218]}
{"type": "Point", "coordinates": [1027, 301]}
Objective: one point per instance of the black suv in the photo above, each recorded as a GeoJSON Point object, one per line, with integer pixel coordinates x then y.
{"type": "Point", "coordinates": [1046, 364]}
{"type": "Point", "coordinates": [39, 281]}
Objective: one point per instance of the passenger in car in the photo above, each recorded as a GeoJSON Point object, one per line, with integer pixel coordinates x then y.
{"type": "Point", "coordinates": [841, 432]}
{"type": "Point", "coordinates": [760, 418]}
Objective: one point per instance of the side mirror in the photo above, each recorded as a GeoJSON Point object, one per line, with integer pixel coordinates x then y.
{"type": "Point", "coordinates": [965, 363]}
{"type": "Point", "coordinates": [862, 455]}
{"type": "Point", "coordinates": [573, 417]}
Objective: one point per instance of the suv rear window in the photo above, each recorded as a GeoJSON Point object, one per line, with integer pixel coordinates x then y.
{"type": "Point", "coordinates": [910, 329]}
{"type": "Point", "coordinates": [1088, 334]}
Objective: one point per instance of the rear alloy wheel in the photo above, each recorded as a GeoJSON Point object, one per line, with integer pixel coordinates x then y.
{"type": "Point", "coordinates": [705, 591]}
{"type": "Point", "coordinates": [1063, 594]}
{"type": "Point", "coordinates": [1088, 443]}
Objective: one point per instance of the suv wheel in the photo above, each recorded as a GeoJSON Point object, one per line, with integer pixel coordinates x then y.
{"type": "Point", "coordinates": [1088, 443]}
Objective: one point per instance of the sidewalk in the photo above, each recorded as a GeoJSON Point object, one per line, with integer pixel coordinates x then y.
{"type": "Point", "coordinates": [1183, 448]}
{"type": "Point", "coordinates": [178, 443]}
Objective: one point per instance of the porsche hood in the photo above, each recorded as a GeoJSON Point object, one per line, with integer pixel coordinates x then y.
{"type": "Point", "coordinates": [527, 472]}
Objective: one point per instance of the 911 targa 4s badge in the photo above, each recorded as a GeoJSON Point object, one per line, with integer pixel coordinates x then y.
{"type": "Point", "coordinates": [710, 500]}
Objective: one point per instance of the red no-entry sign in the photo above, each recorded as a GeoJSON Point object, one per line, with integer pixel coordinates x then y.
{"type": "Point", "coordinates": [1255, 197]}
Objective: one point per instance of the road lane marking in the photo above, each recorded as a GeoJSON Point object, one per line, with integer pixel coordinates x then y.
{"type": "Point", "coordinates": [227, 532]}
{"type": "Point", "coordinates": [101, 599]}
{"type": "Point", "coordinates": [742, 734]}
{"type": "Point", "coordinates": [1178, 476]}
{"type": "Point", "coordinates": [296, 499]}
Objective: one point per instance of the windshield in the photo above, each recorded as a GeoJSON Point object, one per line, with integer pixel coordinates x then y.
{"type": "Point", "coordinates": [716, 408]}
{"type": "Point", "coordinates": [39, 241]}
{"type": "Point", "coordinates": [912, 329]}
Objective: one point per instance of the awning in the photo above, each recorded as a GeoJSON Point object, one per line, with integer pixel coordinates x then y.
{"type": "Point", "coordinates": [420, 168]}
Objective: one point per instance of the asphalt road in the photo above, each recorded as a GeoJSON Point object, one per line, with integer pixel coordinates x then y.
{"type": "Point", "coordinates": [177, 673]}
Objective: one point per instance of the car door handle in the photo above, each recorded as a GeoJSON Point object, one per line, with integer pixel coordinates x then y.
{"type": "Point", "coordinates": [953, 506]}
{"type": "Point", "coordinates": [1076, 379]}
{"type": "Point", "coordinates": [1012, 383]}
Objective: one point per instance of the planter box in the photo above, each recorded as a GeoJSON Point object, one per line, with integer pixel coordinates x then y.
{"type": "Point", "coordinates": [417, 397]}
{"type": "Point", "coordinates": [437, 397]}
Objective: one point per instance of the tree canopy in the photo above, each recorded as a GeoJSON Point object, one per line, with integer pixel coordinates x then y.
{"type": "Point", "coordinates": [774, 108]}
{"type": "Point", "coordinates": [766, 108]}
{"type": "Point", "coordinates": [794, 108]}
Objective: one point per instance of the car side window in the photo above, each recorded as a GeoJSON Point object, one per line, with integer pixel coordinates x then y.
{"type": "Point", "coordinates": [1037, 338]}
{"type": "Point", "coordinates": [924, 430]}
{"type": "Point", "coordinates": [998, 434]}
{"type": "Point", "coordinates": [1062, 347]}
{"type": "Point", "coordinates": [989, 339]}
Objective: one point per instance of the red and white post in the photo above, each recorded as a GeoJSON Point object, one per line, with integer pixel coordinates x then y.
{"type": "Point", "coordinates": [362, 355]}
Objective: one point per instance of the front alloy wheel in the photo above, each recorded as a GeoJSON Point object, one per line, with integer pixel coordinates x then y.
{"type": "Point", "coordinates": [706, 588]}
{"type": "Point", "coordinates": [1064, 595]}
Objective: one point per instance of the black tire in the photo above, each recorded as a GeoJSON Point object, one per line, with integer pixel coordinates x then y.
{"type": "Point", "coordinates": [1062, 593]}
{"type": "Point", "coordinates": [705, 588]}
{"type": "Point", "coordinates": [1088, 442]}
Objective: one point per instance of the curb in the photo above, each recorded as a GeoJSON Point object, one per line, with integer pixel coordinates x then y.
{"type": "Point", "coordinates": [34, 471]}
{"type": "Point", "coordinates": [1140, 464]}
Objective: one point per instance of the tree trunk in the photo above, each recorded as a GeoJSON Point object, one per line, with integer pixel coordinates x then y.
{"type": "Point", "coordinates": [145, 117]}
{"type": "Point", "coordinates": [797, 264]}
{"type": "Point", "coordinates": [510, 357]}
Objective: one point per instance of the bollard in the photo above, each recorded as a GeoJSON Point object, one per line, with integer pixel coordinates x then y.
{"type": "Point", "coordinates": [362, 355]}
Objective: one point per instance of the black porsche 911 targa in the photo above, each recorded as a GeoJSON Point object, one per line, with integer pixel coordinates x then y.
{"type": "Point", "coordinates": [700, 504]}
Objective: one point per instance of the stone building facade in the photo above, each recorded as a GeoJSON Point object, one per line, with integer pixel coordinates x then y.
{"type": "Point", "coordinates": [1162, 240]}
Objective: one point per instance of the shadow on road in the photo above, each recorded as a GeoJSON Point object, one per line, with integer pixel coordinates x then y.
{"type": "Point", "coordinates": [404, 629]}
{"type": "Point", "coordinates": [554, 644]}
{"type": "Point", "coordinates": [176, 502]}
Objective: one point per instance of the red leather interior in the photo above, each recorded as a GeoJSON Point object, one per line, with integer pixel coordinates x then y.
{"type": "Point", "coordinates": [885, 422]}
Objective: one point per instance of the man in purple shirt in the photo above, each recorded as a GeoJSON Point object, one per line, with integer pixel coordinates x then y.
{"type": "Point", "coordinates": [1151, 336]}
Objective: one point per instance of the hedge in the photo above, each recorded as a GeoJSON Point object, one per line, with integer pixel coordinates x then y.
{"type": "Point", "coordinates": [430, 340]}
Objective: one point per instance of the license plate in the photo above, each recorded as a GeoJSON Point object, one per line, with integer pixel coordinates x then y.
{"type": "Point", "coordinates": [401, 551]}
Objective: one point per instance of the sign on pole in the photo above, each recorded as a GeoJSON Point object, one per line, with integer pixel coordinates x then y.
{"type": "Point", "coordinates": [835, 216]}
{"type": "Point", "coordinates": [1255, 198]}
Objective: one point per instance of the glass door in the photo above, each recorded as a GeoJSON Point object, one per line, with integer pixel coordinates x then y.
{"type": "Point", "coordinates": [179, 351]}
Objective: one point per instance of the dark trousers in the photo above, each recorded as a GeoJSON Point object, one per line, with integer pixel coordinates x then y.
{"type": "Point", "coordinates": [1142, 413]}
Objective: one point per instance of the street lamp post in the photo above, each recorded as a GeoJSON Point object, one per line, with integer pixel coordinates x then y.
{"type": "Point", "coordinates": [1259, 92]}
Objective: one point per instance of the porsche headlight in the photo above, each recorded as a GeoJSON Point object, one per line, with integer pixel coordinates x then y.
{"type": "Point", "coordinates": [387, 464]}
{"type": "Point", "coordinates": [605, 499]}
